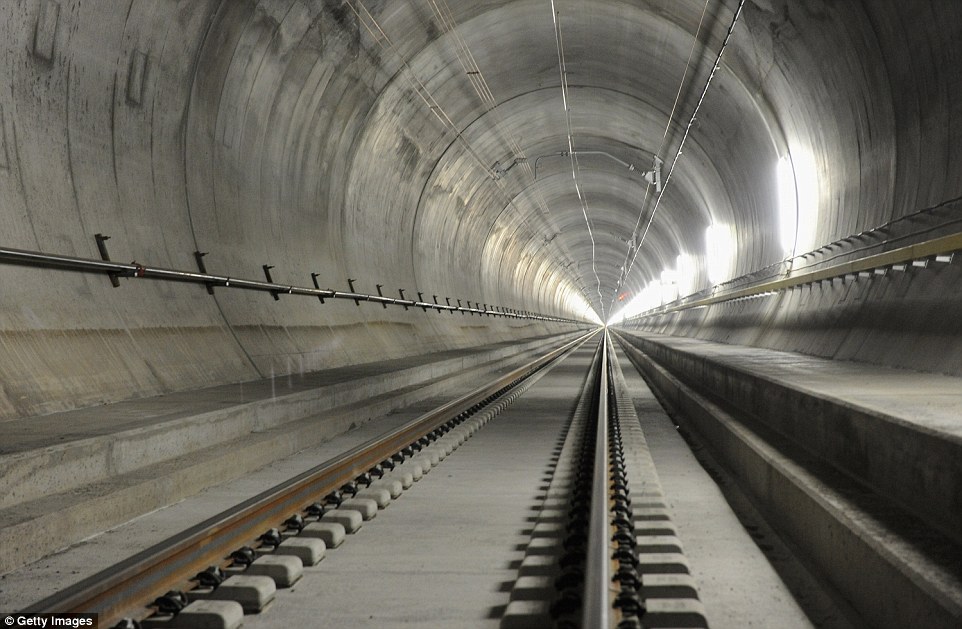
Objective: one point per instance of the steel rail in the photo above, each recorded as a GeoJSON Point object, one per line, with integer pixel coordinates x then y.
{"type": "Point", "coordinates": [169, 565]}
{"type": "Point", "coordinates": [597, 605]}
{"type": "Point", "coordinates": [136, 270]}
{"type": "Point", "coordinates": [944, 245]}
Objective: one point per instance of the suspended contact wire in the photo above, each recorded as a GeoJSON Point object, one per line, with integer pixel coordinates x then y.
{"type": "Point", "coordinates": [671, 117]}
{"type": "Point", "coordinates": [480, 85]}
{"type": "Point", "coordinates": [688, 127]}
{"type": "Point", "coordinates": [691, 122]}
{"type": "Point", "coordinates": [468, 63]}
{"type": "Point", "coordinates": [575, 168]}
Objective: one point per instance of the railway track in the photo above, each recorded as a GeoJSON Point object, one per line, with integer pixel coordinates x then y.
{"type": "Point", "coordinates": [602, 553]}
{"type": "Point", "coordinates": [553, 516]}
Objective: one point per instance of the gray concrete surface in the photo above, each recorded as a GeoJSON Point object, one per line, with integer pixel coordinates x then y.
{"type": "Point", "coordinates": [54, 572]}
{"type": "Point", "coordinates": [420, 146]}
{"type": "Point", "coordinates": [736, 581]}
{"type": "Point", "coordinates": [125, 459]}
{"type": "Point", "coordinates": [43, 455]}
{"type": "Point", "coordinates": [446, 553]}
{"type": "Point", "coordinates": [282, 132]}
{"type": "Point", "coordinates": [896, 431]}
{"type": "Point", "coordinates": [448, 550]}
{"type": "Point", "coordinates": [892, 567]}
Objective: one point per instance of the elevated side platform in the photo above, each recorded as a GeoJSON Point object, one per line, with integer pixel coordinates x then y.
{"type": "Point", "coordinates": [860, 467]}
{"type": "Point", "coordinates": [97, 467]}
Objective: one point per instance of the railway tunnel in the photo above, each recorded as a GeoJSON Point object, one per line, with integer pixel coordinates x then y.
{"type": "Point", "coordinates": [245, 239]}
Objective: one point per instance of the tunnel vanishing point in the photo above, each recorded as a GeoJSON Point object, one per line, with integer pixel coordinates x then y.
{"type": "Point", "coordinates": [761, 200]}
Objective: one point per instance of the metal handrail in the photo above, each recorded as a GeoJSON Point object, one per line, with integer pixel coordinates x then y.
{"type": "Point", "coordinates": [136, 270]}
{"type": "Point", "coordinates": [597, 606]}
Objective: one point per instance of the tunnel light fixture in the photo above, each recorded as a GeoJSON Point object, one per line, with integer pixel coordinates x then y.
{"type": "Point", "coordinates": [669, 292]}
{"type": "Point", "coordinates": [652, 296]}
{"type": "Point", "coordinates": [719, 252]}
{"type": "Point", "coordinates": [671, 284]}
{"type": "Point", "coordinates": [686, 272]}
{"type": "Point", "coordinates": [670, 279]}
{"type": "Point", "coordinates": [787, 204]}
{"type": "Point", "coordinates": [797, 200]}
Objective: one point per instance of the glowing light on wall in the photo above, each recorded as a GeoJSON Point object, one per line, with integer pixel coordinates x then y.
{"type": "Point", "coordinates": [650, 297]}
{"type": "Point", "coordinates": [591, 315]}
{"type": "Point", "coordinates": [787, 204]}
{"type": "Point", "coordinates": [797, 201]}
{"type": "Point", "coordinates": [685, 274]}
{"type": "Point", "coordinates": [719, 253]}
{"type": "Point", "coordinates": [672, 284]}
{"type": "Point", "coordinates": [579, 306]}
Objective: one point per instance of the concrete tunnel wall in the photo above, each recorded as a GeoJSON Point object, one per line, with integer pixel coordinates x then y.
{"type": "Point", "coordinates": [236, 137]}
{"type": "Point", "coordinates": [871, 89]}
{"type": "Point", "coordinates": [284, 132]}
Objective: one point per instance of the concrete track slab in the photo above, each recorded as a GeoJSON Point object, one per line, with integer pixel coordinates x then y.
{"type": "Point", "coordinates": [895, 431]}
{"type": "Point", "coordinates": [104, 420]}
{"type": "Point", "coordinates": [55, 572]}
{"type": "Point", "coordinates": [98, 479]}
{"type": "Point", "coordinates": [928, 401]}
{"type": "Point", "coordinates": [446, 553]}
{"type": "Point", "coordinates": [736, 582]}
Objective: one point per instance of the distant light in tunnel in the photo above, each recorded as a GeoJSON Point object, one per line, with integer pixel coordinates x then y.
{"type": "Point", "coordinates": [650, 297]}
{"type": "Point", "coordinates": [719, 253]}
{"type": "Point", "coordinates": [592, 316]}
{"type": "Point", "coordinates": [581, 305]}
{"type": "Point", "coordinates": [797, 201]}
{"type": "Point", "coordinates": [671, 284]}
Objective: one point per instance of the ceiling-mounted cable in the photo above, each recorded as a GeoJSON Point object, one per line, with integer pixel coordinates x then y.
{"type": "Point", "coordinates": [371, 25]}
{"type": "Point", "coordinates": [382, 39]}
{"type": "Point", "coordinates": [470, 66]}
{"type": "Point", "coordinates": [691, 122]}
{"type": "Point", "coordinates": [664, 139]}
{"type": "Point", "coordinates": [575, 169]}
{"type": "Point", "coordinates": [681, 84]}
{"type": "Point", "coordinates": [474, 73]}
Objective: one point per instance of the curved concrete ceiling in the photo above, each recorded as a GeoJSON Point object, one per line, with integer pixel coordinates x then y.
{"type": "Point", "coordinates": [423, 144]}
{"type": "Point", "coordinates": [796, 81]}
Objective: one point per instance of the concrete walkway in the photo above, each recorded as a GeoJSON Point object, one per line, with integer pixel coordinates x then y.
{"type": "Point", "coordinates": [444, 554]}
{"type": "Point", "coordinates": [737, 583]}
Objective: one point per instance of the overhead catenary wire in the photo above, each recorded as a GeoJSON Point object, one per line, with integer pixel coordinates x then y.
{"type": "Point", "coordinates": [664, 139]}
{"type": "Point", "coordinates": [575, 168]}
{"type": "Point", "coordinates": [469, 65]}
{"type": "Point", "coordinates": [691, 122]}
{"type": "Point", "coordinates": [479, 84]}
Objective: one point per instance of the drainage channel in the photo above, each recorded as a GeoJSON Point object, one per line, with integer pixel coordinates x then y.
{"type": "Point", "coordinates": [604, 552]}
{"type": "Point", "coordinates": [232, 564]}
